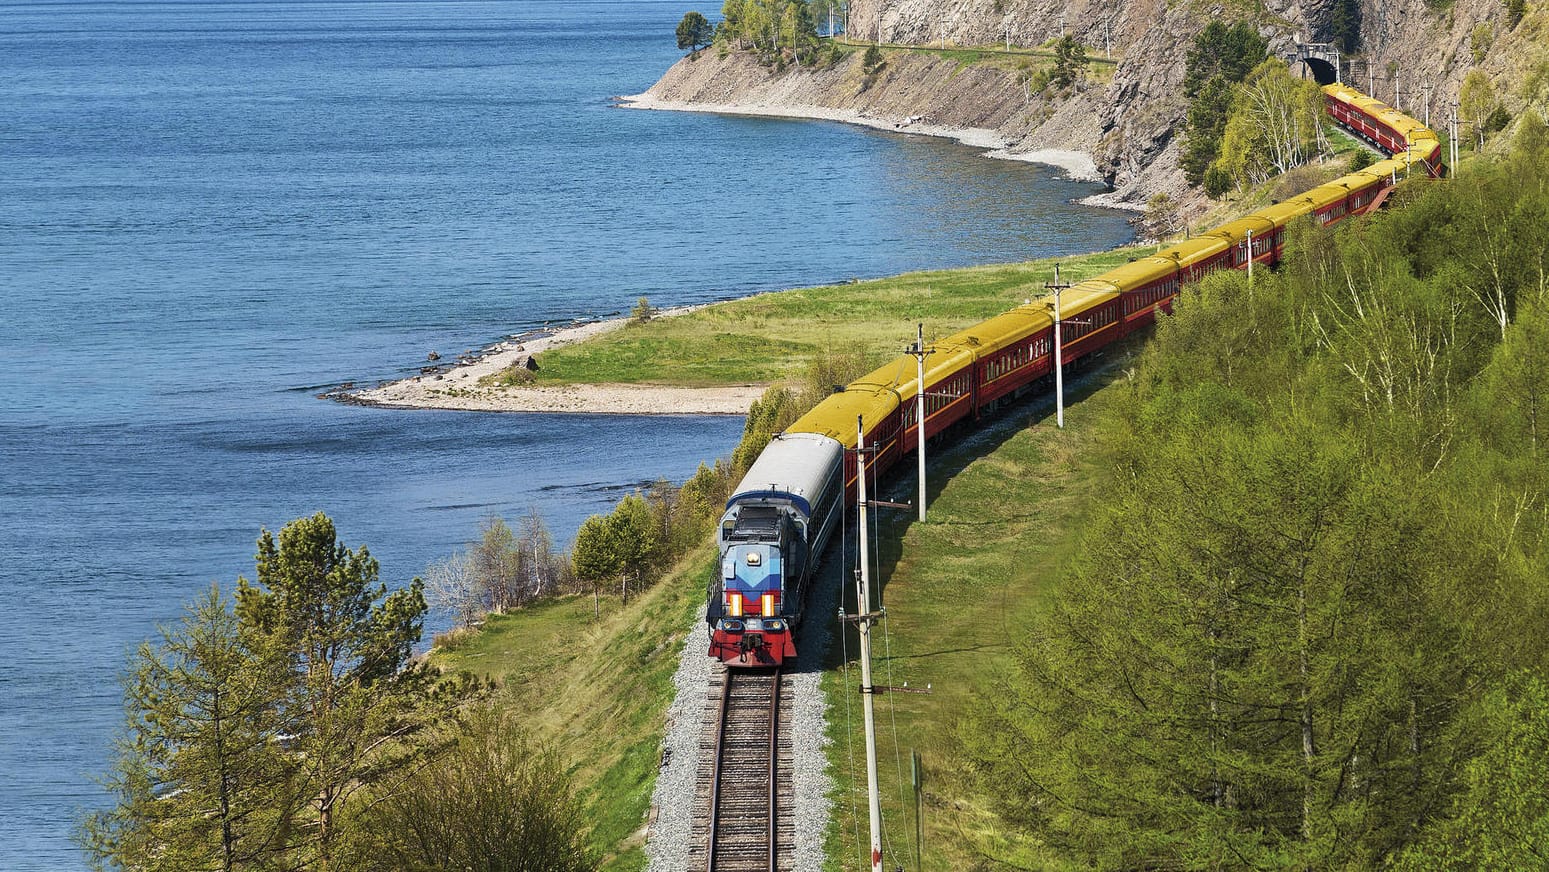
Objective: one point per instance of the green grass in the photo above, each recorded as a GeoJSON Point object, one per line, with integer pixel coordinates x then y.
{"type": "Point", "coordinates": [959, 591]}
{"type": "Point", "coordinates": [597, 690]}
{"type": "Point", "coordinates": [771, 337]}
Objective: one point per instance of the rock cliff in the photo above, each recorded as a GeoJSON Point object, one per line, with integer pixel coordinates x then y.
{"type": "Point", "coordinates": [1129, 120]}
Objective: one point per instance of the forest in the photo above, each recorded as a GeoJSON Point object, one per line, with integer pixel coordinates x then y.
{"type": "Point", "coordinates": [1305, 626]}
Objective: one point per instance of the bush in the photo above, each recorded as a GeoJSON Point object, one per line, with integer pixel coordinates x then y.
{"type": "Point", "coordinates": [1217, 181]}
{"type": "Point", "coordinates": [493, 800]}
{"type": "Point", "coordinates": [642, 312]}
{"type": "Point", "coordinates": [1497, 120]}
{"type": "Point", "coordinates": [1480, 41]}
{"type": "Point", "coordinates": [1361, 159]}
{"type": "Point", "coordinates": [872, 61]}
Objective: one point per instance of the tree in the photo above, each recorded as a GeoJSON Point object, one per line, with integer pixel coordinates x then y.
{"type": "Point", "coordinates": [542, 569]}
{"type": "Point", "coordinates": [1518, 380]}
{"type": "Point", "coordinates": [1069, 61]}
{"type": "Point", "coordinates": [1221, 50]}
{"type": "Point", "coordinates": [617, 547]}
{"type": "Point", "coordinates": [352, 700]}
{"type": "Point", "coordinates": [496, 564]}
{"type": "Point", "coordinates": [1515, 9]}
{"type": "Point", "coordinates": [694, 31]}
{"type": "Point", "coordinates": [450, 586]}
{"type": "Point", "coordinates": [493, 800]}
{"type": "Point", "coordinates": [1501, 820]}
{"type": "Point", "coordinates": [1476, 100]}
{"type": "Point", "coordinates": [873, 60]}
{"type": "Point", "coordinates": [1345, 27]}
{"type": "Point", "coordinates": [200, 782]}
{"type": "Point", "coordinates": [1276, 124]}
{"type": "Point", "coordinates": [1208, 113]}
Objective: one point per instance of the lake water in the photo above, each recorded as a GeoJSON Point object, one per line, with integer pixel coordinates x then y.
{"type": "Point", "coordinates": [209, 212]}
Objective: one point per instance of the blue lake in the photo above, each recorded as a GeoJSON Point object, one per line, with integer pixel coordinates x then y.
{"type": "Point", "coordinates": [209, 212]}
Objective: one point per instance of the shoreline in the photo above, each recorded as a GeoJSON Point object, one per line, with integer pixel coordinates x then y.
{"type": "Point", "coordinates": [456, 386]}
{"type": "Point", "coordinates": [1077, 165]}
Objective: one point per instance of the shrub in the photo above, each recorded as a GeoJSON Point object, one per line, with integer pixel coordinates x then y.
{"type": "Point", "coordinates": [1217, 181]}
{"type": "Point", "coordinates": [1497, 120]}
{"type": "Point", "coordinates": [872, 61]}
{"type": "Point", "coordinates": [1361, 159]}
{"type": "Point", "coordinates": [1479, 42]}
{"type": "Point", "coordinates": [642, 312]}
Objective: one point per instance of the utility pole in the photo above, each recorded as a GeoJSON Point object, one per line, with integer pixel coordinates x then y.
{"type": "Point", "coordinates": [863, 625]}
{"type": "Point", "coordinates": [918, 350]}
{"type": "Point", "coordinates": [1454, 138]}
{"type": "Point", "coordinates": [1250, 258]}
{"type": "Point", "coordinates": [1059, 363]}
{"type": "Point", "coordinates": [1427, 89]}
{"type": "Point", "coordinates": [1371, 79]}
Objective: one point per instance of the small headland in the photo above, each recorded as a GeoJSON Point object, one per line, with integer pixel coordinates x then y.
{"type": "Point", "coordinates": [718, 359]}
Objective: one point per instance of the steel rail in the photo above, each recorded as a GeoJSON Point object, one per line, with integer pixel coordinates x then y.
{"type": "Point", "coordinates": [774, 766]}
{"type": "Point", "coordinates": [715, 772]}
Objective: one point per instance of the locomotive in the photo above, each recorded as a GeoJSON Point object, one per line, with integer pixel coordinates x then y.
{"type": "Point", "coordinates": [775, 528]}
{"type": "Point", "coordinates": [784, 510]}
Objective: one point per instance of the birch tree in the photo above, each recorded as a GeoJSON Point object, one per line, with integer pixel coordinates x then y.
{"type": "Point", "coordinates": [1276, 125]}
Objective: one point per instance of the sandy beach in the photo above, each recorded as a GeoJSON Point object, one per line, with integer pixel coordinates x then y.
{"type": "Point", "coordinates": [457, 386]}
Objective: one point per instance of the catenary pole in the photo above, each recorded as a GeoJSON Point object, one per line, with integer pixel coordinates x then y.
{"type": "Point", "coordinates": [919, 409]}
{"type": "Point", "coordinates": [863, 625]}
{"type": "Point", "coordinates": [1059, 360]}
{"type": "Point", "coordinates": [1250, 258]}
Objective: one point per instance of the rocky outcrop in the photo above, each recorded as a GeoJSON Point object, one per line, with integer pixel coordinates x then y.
{"type": "Point", "coordinates": [1129, 120]}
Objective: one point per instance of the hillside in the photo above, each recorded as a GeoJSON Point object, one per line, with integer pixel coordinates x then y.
{"type": "Point", "coordinates": [1127, 116]}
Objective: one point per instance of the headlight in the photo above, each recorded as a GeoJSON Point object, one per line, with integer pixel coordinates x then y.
{"type": "Point", "coordinates": [730, 626]}
{"type": "Point", "coordinates": [774, 626]}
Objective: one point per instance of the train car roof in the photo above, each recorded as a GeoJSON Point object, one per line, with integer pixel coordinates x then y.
{"type": "Point", "coordinates": [798, 467]}
{"type": "Point", "coordinates": [1238, 230]}
{"type": "Point", "coordinates": [1282, 213]}
{"type": "Point", "coordinates": [1192, 251]}
{"type": "Point", "coordinates": [835, 416]}
{"type": "Point", "coordinates": [1139, 273]}
{"type": "Point", "coordinates": [995, 333]}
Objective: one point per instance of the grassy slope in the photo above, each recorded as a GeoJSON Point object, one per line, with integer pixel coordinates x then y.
{"type": "Point", "coordinates": [771, 337]}
{"type": "Point", "coordinates": [959, 589]}
{"type": "Point", "coordinates": [597, 690]}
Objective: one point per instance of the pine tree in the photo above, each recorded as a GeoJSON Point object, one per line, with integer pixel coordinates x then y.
{"type": "Point", "coordinates": [352, 700]}
{"type": "Point", "coordinates": [201, 782]}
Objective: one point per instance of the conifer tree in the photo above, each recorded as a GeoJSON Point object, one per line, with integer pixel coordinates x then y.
{"type": "Point", "coordinates": [200, 782]}
{"type": "Point", "coordinates": [352, 699]}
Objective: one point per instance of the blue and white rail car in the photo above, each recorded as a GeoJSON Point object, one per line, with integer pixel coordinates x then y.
{"type": "Point", "coordinates": [771, 536]}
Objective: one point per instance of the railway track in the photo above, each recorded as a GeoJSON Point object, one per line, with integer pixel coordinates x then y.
{"type": "Point", "coordinates": [744, 784]}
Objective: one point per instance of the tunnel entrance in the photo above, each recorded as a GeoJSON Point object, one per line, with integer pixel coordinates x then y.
{"type": "Point", "coordinates": [1319, 58]}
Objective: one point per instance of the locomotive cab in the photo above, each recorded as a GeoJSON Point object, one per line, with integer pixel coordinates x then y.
{"type": "Point", "coordinates": [755, 598]}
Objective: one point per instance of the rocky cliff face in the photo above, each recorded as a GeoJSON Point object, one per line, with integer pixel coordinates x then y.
{"type": "Point", "coordinates": [1132, 125]}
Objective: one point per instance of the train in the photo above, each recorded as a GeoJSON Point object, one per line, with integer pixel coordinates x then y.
{"type": "Point", "coordinates": [783, 512]}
